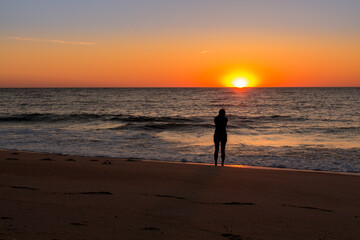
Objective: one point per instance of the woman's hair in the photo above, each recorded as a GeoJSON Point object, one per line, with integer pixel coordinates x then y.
{"type": "Point", "coordinates": [222, 112]}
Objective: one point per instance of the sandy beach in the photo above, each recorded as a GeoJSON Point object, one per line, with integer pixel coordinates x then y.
{"type": "Point", "coordinates": [49, 196]}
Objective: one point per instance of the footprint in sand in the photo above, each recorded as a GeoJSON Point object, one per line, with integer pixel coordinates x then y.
{"type": "Point", "coordinates": [131, 160]}
{"type": "Point", "coordinates": [170, 196]}
{"type": "Point", "coordinates": [78, 224]}
{"type": "Point", "coordinates": [231, 236]}
{"type": "Point", "coordinates": [150, 229]}
{"type": "Point", "coordinates": [238, 203]}
{"type": "Point", "coordinates": [92, 193]}
{"type": "Point", "coordinates": [25, 188]}
{"type": "Point", "coordinates": [12, 159]}
{"type": "Point", "coordinates": [305, 207]}
{"type": "Point", "coordinates": [96, 193]}
{"type": "Point", "coordinates": [70, 160]}
{"type": "Point", "coordinates": [46, 159]}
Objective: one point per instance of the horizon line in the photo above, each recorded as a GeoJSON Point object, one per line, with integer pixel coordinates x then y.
{"type": "Point", "coordinates": [180, 87]}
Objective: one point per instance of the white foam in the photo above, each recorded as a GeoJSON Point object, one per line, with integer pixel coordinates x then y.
{"type": "Point", "coordinates": [136, 144]}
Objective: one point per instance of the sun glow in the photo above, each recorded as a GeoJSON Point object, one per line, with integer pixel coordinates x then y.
{"type": "Point", "coordinates": [240, 79]}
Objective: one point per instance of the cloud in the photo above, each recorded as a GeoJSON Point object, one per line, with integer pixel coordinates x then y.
{"type": "Point", "coordinates": [205, 51]}
{"type": "Point", "coordinates": [49, 40]}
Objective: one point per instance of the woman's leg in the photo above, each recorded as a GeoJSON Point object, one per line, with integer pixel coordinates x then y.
{"type": "Point", "coordinates": [223, 144]}
{"type": "Point", "coordinates": [216, 151]}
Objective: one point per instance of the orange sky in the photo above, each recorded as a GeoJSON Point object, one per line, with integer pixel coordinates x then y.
{"type": "Point", "coordinates": [277, 63]}
{"type": "Point", "coordinates": [169, 58]}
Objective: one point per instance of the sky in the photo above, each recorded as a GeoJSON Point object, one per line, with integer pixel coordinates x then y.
{"type": "Point", "coordinates": [187, 43]}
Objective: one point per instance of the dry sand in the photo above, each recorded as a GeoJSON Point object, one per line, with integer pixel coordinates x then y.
{"type": "Point", "coordinates": [47, 196]}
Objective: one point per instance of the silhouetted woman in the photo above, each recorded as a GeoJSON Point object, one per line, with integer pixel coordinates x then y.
{"type": "Point", "coordinates": [220, 135]}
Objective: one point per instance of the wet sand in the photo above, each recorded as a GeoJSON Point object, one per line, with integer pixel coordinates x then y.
{"type": "Point", "coordinates": [49, 196]}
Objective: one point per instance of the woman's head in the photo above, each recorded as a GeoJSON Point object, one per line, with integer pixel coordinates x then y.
{"type": "Point", "coordinates": [222, 112]}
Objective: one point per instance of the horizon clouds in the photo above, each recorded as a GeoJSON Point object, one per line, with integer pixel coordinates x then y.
{"type": "Point", "coordinates": [17, 38]}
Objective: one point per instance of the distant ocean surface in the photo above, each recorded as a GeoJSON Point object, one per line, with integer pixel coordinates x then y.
{"type": "Point", "coordinates": [298, 128]}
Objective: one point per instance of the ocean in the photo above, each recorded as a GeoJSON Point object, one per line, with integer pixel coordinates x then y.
{"type": "Point", "coordinates": [296, 128]}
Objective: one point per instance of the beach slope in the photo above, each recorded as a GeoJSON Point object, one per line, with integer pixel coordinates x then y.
{"type": "Point", "coordinates": [49, 196]}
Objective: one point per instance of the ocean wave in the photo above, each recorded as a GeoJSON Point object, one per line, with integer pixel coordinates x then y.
{"type": "Point", "coordinates": [152, 119]}
{"type": "Point", "coordinates": [337, 130]}
{"type": "Point", "coordinates": [149, 122]}
{"type": "Point", "coordinates": [162, 126]}
{"type": "Point", "coordinates": [50, 117]}
{"type": "Point", "coordinates": [226, 105]}
{"type": "Point", "coordinates": [267, 118]}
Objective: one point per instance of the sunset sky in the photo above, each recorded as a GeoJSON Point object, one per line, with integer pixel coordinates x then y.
{"type": "Point", "coordinates": [187, 43]}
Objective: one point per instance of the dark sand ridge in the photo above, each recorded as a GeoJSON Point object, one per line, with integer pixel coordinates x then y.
{"type": "Point", "coordinates": [49, 196]}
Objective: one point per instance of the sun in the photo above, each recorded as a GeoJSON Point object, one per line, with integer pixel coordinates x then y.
{"type": "Point", "coordinates": [240, 82]}
{"type": "Point", "coordinates": [240, 79]}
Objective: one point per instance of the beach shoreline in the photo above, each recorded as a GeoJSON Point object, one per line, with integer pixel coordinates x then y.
{"type": "Point", "coordinates": [195, 163]}
{"type": "Point", "coordinates": [55, 196]}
